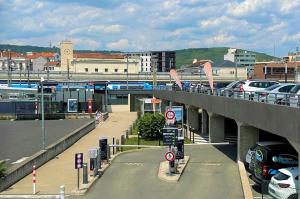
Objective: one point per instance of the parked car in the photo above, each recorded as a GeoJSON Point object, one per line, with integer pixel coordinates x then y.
{"type": "Point", "coordinates": [231, 88]}
{"type": "Point", "coordinates": [294, 98]}
{"type": "Point", "coordinates": [256, 85]}
{"type": "Point", "coordinates": [249, 159]}
{"type": "Point", "coordinates": [284, 184]}
{"type": "Point", "coordinates": [275, 93]}
{"type": "Point", "coordinates": [270, 158]}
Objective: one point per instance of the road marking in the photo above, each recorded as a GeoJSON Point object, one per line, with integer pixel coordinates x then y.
{"type": "Point", "coordinates": [20, 160]}
{"type": "Point", "coordinates": [32, 196]}
{"type": "Point", "coordinates": [134, 164]}
{"type": "Point", "coordinates": [211, 164]}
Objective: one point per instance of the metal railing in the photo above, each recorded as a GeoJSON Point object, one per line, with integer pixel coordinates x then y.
{"type": "Point", "coordinates": [286, 99]}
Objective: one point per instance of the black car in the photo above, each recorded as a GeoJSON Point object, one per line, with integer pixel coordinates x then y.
{"type": "Point", "coordinates": [269, 159]}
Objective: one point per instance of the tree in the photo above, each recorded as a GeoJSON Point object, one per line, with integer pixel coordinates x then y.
{"type": "Point", "coordinates": [150, 125]}
{"type": "Point", "coordinates": [2, 168]}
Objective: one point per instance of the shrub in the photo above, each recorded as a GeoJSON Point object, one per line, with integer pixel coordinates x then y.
{"type": "Point", "coordinates": [2, 168]}
{"type": "Point", "coordinates": [150, 125]}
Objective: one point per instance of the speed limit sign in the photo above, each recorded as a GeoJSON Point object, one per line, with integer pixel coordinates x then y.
{"type": "Point", "coordinates": [170, 115]}
{"type": "Point", "coordinates": [170, 156]}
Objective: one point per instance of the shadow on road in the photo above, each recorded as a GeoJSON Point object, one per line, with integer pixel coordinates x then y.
{"type": "Point", "coordinates": [229, 150]}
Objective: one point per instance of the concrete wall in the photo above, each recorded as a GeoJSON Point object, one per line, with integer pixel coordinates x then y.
{"type": "Point", "coordinates": [118, 108]}
{"type": "Point", "coordinates": [276, 119]}
{"type": "Point", "coordinates": [16, 173]}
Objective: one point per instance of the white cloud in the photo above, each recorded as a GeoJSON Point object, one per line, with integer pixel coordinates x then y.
{"type": "Point", "coordinates": [287, 6]}
{"type": "Point", "coordinates": [246, 7]}
{"type": "Point", "coordinates": [219, 39]}
{"type": "Point", "coordinates": [118, 45]}
{"type": "Point", "coordinates": [105, 28]}
{"type": "Point", "coordinates": [291, 38]}
{"type": "Point", "coordinates": [276, 27]}
{"type": "Point", "coordinates": [86, 43]}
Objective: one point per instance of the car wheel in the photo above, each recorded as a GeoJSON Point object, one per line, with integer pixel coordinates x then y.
{"type": "Point", "coordinates": [294, 196]}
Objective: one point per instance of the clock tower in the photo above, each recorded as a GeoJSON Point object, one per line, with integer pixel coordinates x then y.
{"type": "Point", "coordinates": [66, 55]}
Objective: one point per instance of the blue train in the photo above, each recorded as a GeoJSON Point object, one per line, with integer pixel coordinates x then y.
{"type": "Point", "coordinates": [131, 86]}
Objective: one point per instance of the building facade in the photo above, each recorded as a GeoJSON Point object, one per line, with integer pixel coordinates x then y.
{"type": "Point", "coordinates": [242, 58]}
{"type": "Point", "coordinates": [163, 61]}
{"type": "Point", "coordinates": [277, 70]}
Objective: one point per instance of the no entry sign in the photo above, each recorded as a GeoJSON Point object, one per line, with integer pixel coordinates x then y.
{"type": "Point", "coordinates": [170, 115]}
{"type": "Point", "coordinates": [170, 156]}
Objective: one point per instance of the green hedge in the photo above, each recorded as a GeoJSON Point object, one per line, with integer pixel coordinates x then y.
{"type": "Point", "coordinates": [150, 125]}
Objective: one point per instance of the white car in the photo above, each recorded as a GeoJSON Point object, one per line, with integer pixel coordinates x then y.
{"type": "Point", "coordinates": [249, 87]}
{"type": "Point", "coordinates": [275, 93]}
{"type": "Point", "coordinates": [283, 185]}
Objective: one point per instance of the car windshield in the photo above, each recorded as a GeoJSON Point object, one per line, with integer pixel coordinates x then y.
{"type": "Point", "coordinates": [270, 88]}
{"type": "Point", "coordinates": [281, 176]}
{"type": "Point", "coordinates": [295, 89]}
{"type": "Point", "coordinates": [231, 84]}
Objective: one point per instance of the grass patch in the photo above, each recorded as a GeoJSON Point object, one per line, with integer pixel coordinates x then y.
{"type": "Point", "coordinates": [134, 141]}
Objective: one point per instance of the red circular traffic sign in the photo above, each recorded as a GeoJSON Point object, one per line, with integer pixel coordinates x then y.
{"type": "Point", "coordinates": [170, 115]}
{"type": "Point", "coordinates": [170, 156]}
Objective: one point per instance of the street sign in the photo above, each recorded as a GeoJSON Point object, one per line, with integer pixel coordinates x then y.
{"type": "Point", "coordinates": [170, 135]}
{"type": "Point", "coordinates": [180, 148]}
{"type": "Point", "coordinates": [78, 160]}
{"type": "Point", "coordinates": [170, 156]}
{"type": "Point", "coordinates": [170, 115]}
{"type": "Point", "coordinates": [92, 153]}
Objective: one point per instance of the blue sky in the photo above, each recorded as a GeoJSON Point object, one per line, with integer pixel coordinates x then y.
{"type": "Point", "coordinates": [141, 25]}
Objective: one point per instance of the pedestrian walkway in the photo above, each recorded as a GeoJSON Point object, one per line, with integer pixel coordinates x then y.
{"type": "Point", "coordinates": [60, 170]}
{"type": "Point", "coordinates": [200, 139]}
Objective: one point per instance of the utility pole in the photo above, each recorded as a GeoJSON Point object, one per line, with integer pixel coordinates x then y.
{"type": "Point", "coordinates": [8, 67]}
{"type": "Point", "coordinates": [48, 67]}
{"type": "Point", "coordinates": [127, 71]}
{"type": "Point", "coordinates": [68, 69]}
{"type": "Point", "coordinates": [43, 115]}
{"type": "Point", "coordinates": [296, 66]}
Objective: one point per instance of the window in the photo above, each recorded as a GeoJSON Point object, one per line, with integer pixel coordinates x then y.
{"type": "Point", "coordinates": [116, 70]}
{"type": "Point", "coordinates": [146, 69]}
{"type": "Point", "coordinates": [231, 72]}
{"type": "Point", "coordinates": [146, 64]}
{"type": "Point", "coordinates": [125, 70]}
{"type": "Point", "coordinates": [286, 88]}
{"type": "Point", "coordinates": [96, 70]}
{"type": "Point", "coordinates": [106, 70]}
{"type": "Point", "coordinates": [86, 70]}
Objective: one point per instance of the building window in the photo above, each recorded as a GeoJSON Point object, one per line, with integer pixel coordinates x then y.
{"type": "Point", "coordinates": [116, 70]}
{"type": "Point", "coordinates": [96, 70]}
{"type": "Point", "coordinates": [125, 70]}
{"type": "Point", "coordinates": [106, 70]}
{"type": "Point", "coordinates": [146, 64]}
{"type": "Point", "coordinates": [86, 70]}
{"type": "Point", "coordinates": [231, 72]}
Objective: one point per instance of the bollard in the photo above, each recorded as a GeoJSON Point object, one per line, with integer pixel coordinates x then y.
{"type": "Point", "coordinates": [62, 192]}
{"type": "Point", "coordinates": [108, 153]}
{"type": "Point", "coordinates": [138, 139]}
{"type": "Point", "coordinates": [117, 148]}
{"type": "Point", "coordinates": [122, 141]}
{"type": "Point", "coordinates": [126, 134]}
{"type": "Point", "coordinates": [34, 179]}
{"type": "Point", "coordinates": [193, 137]}
{"type": "Point", "coordinates": [85, 173]}
{"type": "Point", "coordinates": [113, 146]}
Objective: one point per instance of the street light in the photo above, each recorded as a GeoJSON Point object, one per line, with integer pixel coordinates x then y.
{"type": "Point", "coordinates": [127, 72]}
{"type": "Point", "coordinates": [43, 115]}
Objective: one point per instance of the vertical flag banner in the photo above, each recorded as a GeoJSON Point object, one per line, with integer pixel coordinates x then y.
{"type": "Point", "coordinates": [208, 71]}
{"type": "Point", "coordinates": [176, 78]}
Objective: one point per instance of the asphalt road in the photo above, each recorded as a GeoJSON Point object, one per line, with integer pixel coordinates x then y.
{"type": "Point", "coordinates": [19, 139]}
{"type": "Point", "coordinates": [211, 173]}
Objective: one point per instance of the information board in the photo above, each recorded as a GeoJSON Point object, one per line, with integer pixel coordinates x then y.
{"type": "Point", "coordinates": [178, 110]}
{"type": "Point", "coordinates": [170, 136]}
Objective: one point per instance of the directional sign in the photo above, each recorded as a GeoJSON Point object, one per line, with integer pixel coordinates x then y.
{"type": "Point", "coordinates": [170, 135]}
{"type": "Point", "coordinates": [78, 160]}
{"type": "Point", "coordinates": [169, 156]}
{"type": "Point", "coordinates": [170, 115]}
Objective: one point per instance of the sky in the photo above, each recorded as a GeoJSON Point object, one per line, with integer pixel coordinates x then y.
{"type": "Point", "coordinates": [142, 25]}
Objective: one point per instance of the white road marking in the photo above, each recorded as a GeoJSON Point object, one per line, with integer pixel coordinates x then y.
{"type": "Point", "coordinates": [20, 160]}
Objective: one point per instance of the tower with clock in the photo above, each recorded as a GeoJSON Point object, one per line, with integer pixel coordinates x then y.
{"type": "Point", "coordinates": [66, 55]}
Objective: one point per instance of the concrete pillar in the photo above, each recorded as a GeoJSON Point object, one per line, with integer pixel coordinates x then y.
{"type": "Point", "coordinates": [247, 137]}
{"type": "Point", "coordinates": [216, 128]}
{"type": "Point", "coordinates": [193, 117]}
{"type": "Point", "coordinates": [204, 127]}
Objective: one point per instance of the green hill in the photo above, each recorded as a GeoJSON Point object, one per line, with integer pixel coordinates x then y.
{"type": "Point", "coordinates": [24, 49]}
{"type": "Point", "coordinates": [186, 56]}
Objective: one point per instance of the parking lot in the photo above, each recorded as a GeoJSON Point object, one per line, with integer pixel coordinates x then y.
{"type": "Point", "coordinates": [21, 139]}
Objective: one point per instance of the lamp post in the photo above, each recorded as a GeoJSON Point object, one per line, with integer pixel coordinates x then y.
{"type": "Point", "coordinates": [127, 72]}
{"type": "Point", "coordinates": [43, 115]}
{"type": "Point", "coordinates": [106, 100]}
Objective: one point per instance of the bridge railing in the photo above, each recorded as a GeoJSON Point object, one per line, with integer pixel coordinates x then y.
{"type": "Point", "coordinates": [286, 99]}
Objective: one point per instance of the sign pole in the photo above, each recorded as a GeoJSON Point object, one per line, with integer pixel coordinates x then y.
{"type": "Point", "coordinates": [34, 179]}
{"type": "Point", "coordinates": [78, 179]}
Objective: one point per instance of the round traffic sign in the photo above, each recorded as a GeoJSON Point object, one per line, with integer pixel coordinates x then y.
{"type": "Point", "coordinates": [170, 115]}
{"type": "Point", "coordinates": [170, 156]}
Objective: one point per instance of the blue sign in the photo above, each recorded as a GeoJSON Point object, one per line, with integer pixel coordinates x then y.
{"type": "Point", "coordinates": [72, 105]}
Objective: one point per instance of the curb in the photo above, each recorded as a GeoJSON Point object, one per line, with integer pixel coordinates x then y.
{"type": "Point", "coordinates": [245, 182]}
{"type": "Point", "coordinates": [173, 178]}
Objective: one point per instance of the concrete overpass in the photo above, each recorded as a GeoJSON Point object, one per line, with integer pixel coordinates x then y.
{"type": "Point", "coordinates": [250, 116]}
